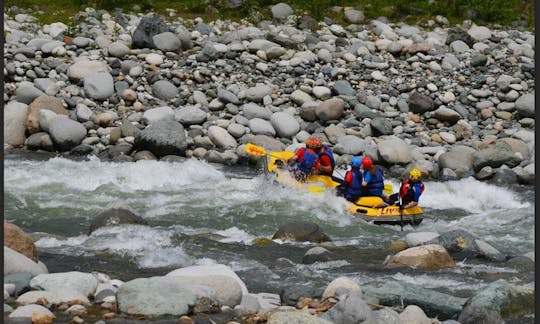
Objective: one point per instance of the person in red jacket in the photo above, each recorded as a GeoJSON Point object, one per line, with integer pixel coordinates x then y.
{"type": "Point", "coordinates": [351, 187]}
{"type": "Point", "coordinates": [306, 160]}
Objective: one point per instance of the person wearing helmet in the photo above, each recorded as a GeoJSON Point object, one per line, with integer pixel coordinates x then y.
{"type": "Point", "coordinates": [373, 183]}
{"type": "Point", "coordinates": [326, 160]}
{"type": "Point", "coordinates": [411, 189]}
{"type": "Point", "coordinates": [351, 188]}
{"type": "Point", "coordinates": [306, 159]}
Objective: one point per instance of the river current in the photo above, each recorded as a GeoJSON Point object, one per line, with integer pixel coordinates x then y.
{"type": "Point", "coordinates": [200, 213]}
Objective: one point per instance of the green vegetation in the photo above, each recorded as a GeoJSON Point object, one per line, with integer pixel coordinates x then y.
{"type": "Point", "coordinates": [502, 12]}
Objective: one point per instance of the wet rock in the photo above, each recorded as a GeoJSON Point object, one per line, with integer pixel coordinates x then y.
{"type": "Point", "coordinates": [340, 286]}
{"type": "Point", "coordinates": [113, 217]}
{"type": "Point", "coordinates": [430, 256]}
{"type": "Point", "coordinates": [84, 283]}
{"type": "Point", "coordinates": [499, 298]}
{"type": "Point", "coordinates": [16, 239]}
{"type": "Point", "coordinates": [316, 254]}
{"type": "Point", "coordinates": [302, 232]}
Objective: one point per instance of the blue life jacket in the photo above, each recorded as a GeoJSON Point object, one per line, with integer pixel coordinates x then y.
{"type": "Point", "coordinates": [308, 161]}
{"type": "Point", "coordinates": [411, 191]}
{"type": "Point", "coordinates": [327, 151]}
{"type": "Point", "coordinates": [375, 185]}
{"type": "Point", "coordinates": [355, 190]}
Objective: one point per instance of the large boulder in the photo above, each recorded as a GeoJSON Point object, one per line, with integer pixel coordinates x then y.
{"type": "Point", "coordinates": [15, 262]}
{"type": "Point", "coordinates": [350, 309]}
{"type": "Point", "coordinates": [148, 28]}
{"type": "Point", "coordinates": [15, 123]}
{"type": "Point", "coordinates": [430, 256]}
{"type": "Point", "coordinates": [154, 297]}
{"type": "Point", "coordinates": [16, 239]}
{"type": "Point", "coordinates": [209, 270]}
{"type": "Point", "coordinates": [419, 103]}
{"type": "Point", "coordinates": [165, 137]}
{"type": "Point", "coordinates": [394, 150]}
{"type": "Point", "coordinates": [66, 133]}
{"type": "Point", "coordinates": [461, 162]}
{"type": "Point", "coordinates": [495, 155]}
{"type": "Point", "coordinates": [464, 245]}
{"type": "Point", "coordinates": [350, 144]}
{"type": "Point", "coordinates": [84, 283]}
{"type": "Point", "coordinates": [228, 290]}
{"type": "Point", "coordinates": [434, 303]}
{"type": "Point", "coordinates": [252, 110]}
{"type": "Point", "coordinates": [285, 124]}
{"type": "Point", "coordinates": [42, 102]}
{"type": "Point", "coordinates": [115, 216]}
{"type": "Point", "coordinates": [331, 109]}
{"type": "Point", "coordinates": [302, 232]}
{"type": "Point", "coordinates": [501, 297]}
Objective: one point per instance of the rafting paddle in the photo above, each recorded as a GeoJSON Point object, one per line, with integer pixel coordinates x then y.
{"type": "Point", "coordinates": [400, 208]}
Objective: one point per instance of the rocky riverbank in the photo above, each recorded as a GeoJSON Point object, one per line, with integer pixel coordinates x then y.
{"type": "Point", "coordinates": [453, 101]}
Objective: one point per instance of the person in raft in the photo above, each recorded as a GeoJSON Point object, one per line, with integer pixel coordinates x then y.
{"type": "Point", "coordinates": [351, 187]}
{"type": "Point", "coordinates": [373, 182]}
{"type": "Point", "coordinates": [411, 189]}
{"type": "Point", "coordinates": [315, 158]}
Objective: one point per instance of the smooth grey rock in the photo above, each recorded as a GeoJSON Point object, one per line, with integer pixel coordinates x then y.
{"type": "Point", "coordinates": [495, 155]}
{"type": "Point", "coordinates": [394, 150]}
{"type": "Point", "coordinates": [15, 114]}
{"type": "Point", "coordinates": [281, 11]}
{"type": "Point", "coordinates": [164, 90]}
{"type": "Point", "coordinates": [227, 290]}
{"type": "Point", "coordinates": [164, 137]}
{"type": "Point", "coordinates": [350, 144]}
{"type": "Point", "coordinates": [221, 138]}
{"type": "Point", "coordinates": [525, 105]}
{"type": "Point", "coordinates": [330, 109]}
{"type": "Point", "coordinates": [40, 141]}
{"type": "Point", "coordinates": [285, 124]}
{"type": "Point", "coordinates": [190, 116]}
{"type": "Point", "coordinates": [167, 42]}
{"type": "Point", "coordinates": [154, 297]}
{"type": "Point", "coordinates": [28, 310]}
{"type": "Point", "coordinates": [295, 317]}
{"type": "Point", "coordinates": [27, 93]}
{"type": "Point", "coordinates": [84, 283]}
{"type": "Point", "coordinates": [15, 262]}
{"type": "Point", "coordinates": [351, 309]}
{"type": "Point", "coordinates": [340, 286]}
{"type": "Point", "coordinates": [261, 127]}
{"type": "Point", "coordinates": [160, 113]}
{"type": "Point", "coordinates": [81, 69]}
{"type": "Point", "coordinates": [252, 110]}
{"type": "Point", "coordinates": [66, 133]}
{"type": "Point", "coordinates": [316, 254]}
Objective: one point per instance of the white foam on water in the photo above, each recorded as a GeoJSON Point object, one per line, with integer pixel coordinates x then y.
{"type": "Point", "coordinates": [127, 177]}
{"type": "Point", "coordinates": [438, 281]}
{"type": "Point", "coordinates": [234, 234]}
{"type": "Point", "coordinates": [148, 247]}
{"type": "Point", "coordinates": [470, 195]}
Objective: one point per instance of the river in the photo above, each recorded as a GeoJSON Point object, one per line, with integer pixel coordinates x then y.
{"type": "Point", "coordinates": [200, 213]}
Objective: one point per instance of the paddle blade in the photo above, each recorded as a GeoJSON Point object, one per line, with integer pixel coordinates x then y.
{"type": "Point", "coordinates": [388, 189]}
{"type": "Point", "coordinates": [255, 150]}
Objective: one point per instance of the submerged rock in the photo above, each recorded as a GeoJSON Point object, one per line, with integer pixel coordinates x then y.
{"type": "Point", "coordinates": [115, 216]}
{"type": "Point", "coordinates": [302, 232]}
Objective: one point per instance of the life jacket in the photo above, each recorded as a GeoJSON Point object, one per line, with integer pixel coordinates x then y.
{"type": "Point", "coordinates": [328, 152]}
{"type": "Point", "coordinates": [308, 161]}
{"type": "Point", "coordinates": [410, 191]}
{"type": "Point", "coordinates": [355, 190]}
{"type": "Point", "coordinates": [376, 184]}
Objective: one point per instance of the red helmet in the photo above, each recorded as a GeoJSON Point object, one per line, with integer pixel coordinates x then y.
{"type": "Point", "coordinates": [367, 163]}
{"type": "Point", "coordinates": [313, 143]}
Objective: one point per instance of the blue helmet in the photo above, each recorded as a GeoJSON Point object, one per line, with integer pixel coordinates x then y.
{"type": "Point", "coordinates": [356, 161]}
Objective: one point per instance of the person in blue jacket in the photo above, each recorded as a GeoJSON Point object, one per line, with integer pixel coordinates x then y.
{"type": "Point", "coordinates": [351, 187]}
{"type": "Point", "coordinates": [373, 182]}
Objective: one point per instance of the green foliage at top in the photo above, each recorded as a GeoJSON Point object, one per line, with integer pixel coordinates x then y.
{"type": "Point", "coordinates": [502, 12]}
